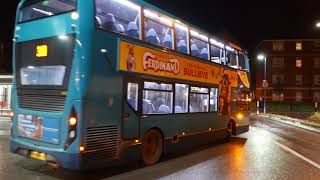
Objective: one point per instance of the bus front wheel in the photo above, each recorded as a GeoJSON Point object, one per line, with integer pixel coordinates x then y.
{"type": "Point", "coordinates": [152, 147]}
{"type": "Point", "coordinates": [230, 131]}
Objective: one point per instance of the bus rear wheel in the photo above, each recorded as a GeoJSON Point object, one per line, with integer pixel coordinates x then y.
{"type": "Point", "coordinates": [152, 147]}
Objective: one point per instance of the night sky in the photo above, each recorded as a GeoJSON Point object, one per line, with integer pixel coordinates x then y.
{"type": "Point", "coordinates": [244, 21]}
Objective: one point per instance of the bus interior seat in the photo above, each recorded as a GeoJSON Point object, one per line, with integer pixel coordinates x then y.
{"type": "Point", "coordinates": [204, 53]}
{"type": "Point", "coordinates": [152, 37]}
{"type": "Point", "coordinates": [109, 22]}
{"type": "Point", "coordinates": [164, 109]}
{"type": "Point", "coordinates": [178, 109]}
{"type": "Point", "coordinates": [182, 46]}
{"type": "Point", "coordinates": [98, 21]}
{"type": "Point", "coordinates": [158, 102]}
{"type": "Point", "coordinates": [194, 50]}
{"type": "Point", "coordinates": [148, 107]}
{"type": "Point", "coordinates": [133, 30]}
{"type": "Point", "coordinates": [120, 28]}
{"type": "Point", "coordinates": [167, 41]}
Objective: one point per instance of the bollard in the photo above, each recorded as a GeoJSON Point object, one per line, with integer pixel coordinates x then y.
{"type": "Point", "coordinates": [258, 107]}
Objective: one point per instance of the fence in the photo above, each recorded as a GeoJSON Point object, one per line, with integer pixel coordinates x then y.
{"type": "Point", "coordinates": [287, 107]}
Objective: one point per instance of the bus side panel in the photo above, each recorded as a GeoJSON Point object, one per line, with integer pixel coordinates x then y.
{"type": "Point", "coordinates": [204, 121]}
{"type": "Point", "coordinates": [105, 88]}
{"type": "Point", "coordinates": [176, 124]}
{"type": "Point", "coordinates": [104, 103]}
{"type": "Point", "coordinates": [130, 122]}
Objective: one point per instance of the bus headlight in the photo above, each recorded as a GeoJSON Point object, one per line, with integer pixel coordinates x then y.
{"type": "Point", "coordinates": [11, 114]}
{"type": "Point", "coordinates": [239, 116]}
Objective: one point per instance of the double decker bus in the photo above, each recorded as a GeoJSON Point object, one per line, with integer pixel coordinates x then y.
{"type": "Point", "coordinates": [100, 81]}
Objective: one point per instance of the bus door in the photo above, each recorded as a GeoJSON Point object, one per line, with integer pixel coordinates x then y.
{"type": "Point", "coordinates": [130, 117]}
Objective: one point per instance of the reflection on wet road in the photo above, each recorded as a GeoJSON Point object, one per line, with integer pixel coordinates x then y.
{"type": "Point", "coordinates": [270, 150]}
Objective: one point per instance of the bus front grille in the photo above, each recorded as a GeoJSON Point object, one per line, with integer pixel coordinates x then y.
{"type": "Point", "coordinates": [40, 102]}
{"type": "Point", "coordinates": [102, 143]}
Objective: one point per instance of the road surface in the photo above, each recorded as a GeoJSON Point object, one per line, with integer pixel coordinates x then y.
{"type": "Point", "coordinates": [271, 150]}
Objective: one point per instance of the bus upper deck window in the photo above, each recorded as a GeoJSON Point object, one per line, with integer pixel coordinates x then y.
{"type": "Point", "coordinates": [182, 38]}
{"type": "Point", "coordinates": [32, 10]}
{"type": "Point", "coordinates": [158, 34]}
{"type": "Point", "coordinates": [199, 48]}
{"type": "Point", "coordinates": [242, 61]}
{"type": "Point", "coordinates": [216, 51]}
{"type": "Point", "coordinates": [119, 16]}
{"type": "Point", "coordinates": [158, 29]}
{"type": "Point", "coordinates": [232, 57]}
{"type": "Point", "coordinates": [199, 45]}
{"type": "Point", "coordinates": [216, 54]}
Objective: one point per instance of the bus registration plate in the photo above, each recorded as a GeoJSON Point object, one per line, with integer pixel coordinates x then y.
{"type": "Point", "coordinates": [39, 156]}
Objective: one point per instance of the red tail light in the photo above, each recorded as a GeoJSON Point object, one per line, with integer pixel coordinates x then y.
{"type": "Point", "coordinates": [73, 121]}
{"type": "Point", "coordinates": [11, 114]}
{"type": "Point", "coordinates": [72, 133]}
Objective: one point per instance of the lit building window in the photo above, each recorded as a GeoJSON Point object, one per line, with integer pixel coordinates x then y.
{"type": "Point", "coordinates": [277, 96]}
{"type": "Point", "coordinates": [298, 63]}
{"type": "Point", "coordinates": [277, 79]}
{"type": "Point", "coordinates": [278, 46]}
{"type": "Point", "coordinates": [299, 79]}
{"type": "Point", "coordinates": [277, 62]}
{"type": "Point", "coordinates": [316, 79]}
{"type": "Point", "coordinates": [299, 96]}
{"type": "Point", "coordinates": [298, 46]}
{"type": "Point", "coordinates": [316, 62]}
{"type": "Point", "coordinates": [316, 95]}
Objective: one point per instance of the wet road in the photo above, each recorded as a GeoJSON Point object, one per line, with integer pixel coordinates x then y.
{"type": "Point", "coordinates": [271, 150]}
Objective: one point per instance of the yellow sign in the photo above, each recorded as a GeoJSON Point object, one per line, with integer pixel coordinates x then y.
{"type": "Point", "coordinates": [42, 51]}
{"type": "Point", "coordinates": [37, 155]}
{"type": "Point", "coordinates": [244, 78]}
{"type": "Point", "coordinates": [135, 58]}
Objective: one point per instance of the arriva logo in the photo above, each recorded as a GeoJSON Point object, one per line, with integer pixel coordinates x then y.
{"type": "Point", "coordinates": [151, 62]}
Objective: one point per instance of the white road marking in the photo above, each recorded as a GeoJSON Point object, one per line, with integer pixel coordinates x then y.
{"type": "Point", "coordinates": [297, 154]}
{"type": "Point", "coordinates": [254, 129]}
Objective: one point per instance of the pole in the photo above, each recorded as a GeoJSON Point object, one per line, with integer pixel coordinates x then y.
{"type": "Point", "coordinates": [265, 89]}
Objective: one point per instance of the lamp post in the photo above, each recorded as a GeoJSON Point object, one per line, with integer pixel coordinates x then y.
{"type": "Point", "coordinates": [265, 82]}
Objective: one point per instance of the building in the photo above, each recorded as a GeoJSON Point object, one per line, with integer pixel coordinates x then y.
{"type": "Point", "coordinates": [293, 70]}
{"type": "Point", "coordinates": [5, 57]}
{"type": "Point", "coordinates": [5, 94]}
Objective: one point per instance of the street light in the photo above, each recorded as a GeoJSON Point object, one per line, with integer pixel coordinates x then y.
{"type": "Point", "coordinates": [318, 24]}
{"type": "Point", "coordinates": [265, 82]}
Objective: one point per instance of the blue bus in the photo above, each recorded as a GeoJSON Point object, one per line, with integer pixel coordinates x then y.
{"type": "Point", "coordinates": [102, 81]}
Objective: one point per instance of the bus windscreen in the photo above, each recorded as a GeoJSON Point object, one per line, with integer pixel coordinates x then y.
{"type": "Point", "coordinates": [36, 9]}
{"type": "Point", "coordinates": [44, 62]}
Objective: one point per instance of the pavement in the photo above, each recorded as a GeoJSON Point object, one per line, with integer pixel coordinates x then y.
{"type": "Point", "coordinates": [301, 123]}
{"type": "Point", "coordinates": [4, 125]}
{"type": "Point", "coordinates": [270, 150]}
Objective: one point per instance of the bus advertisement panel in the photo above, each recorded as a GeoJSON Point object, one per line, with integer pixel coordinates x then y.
{"type": "Point", "coordinates": [139, 59]}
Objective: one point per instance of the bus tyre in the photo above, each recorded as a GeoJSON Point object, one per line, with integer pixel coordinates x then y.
{"type": "Point", "coordinates": [152, 147]}
{"type": "Point", "coordinates": [229, 131]}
